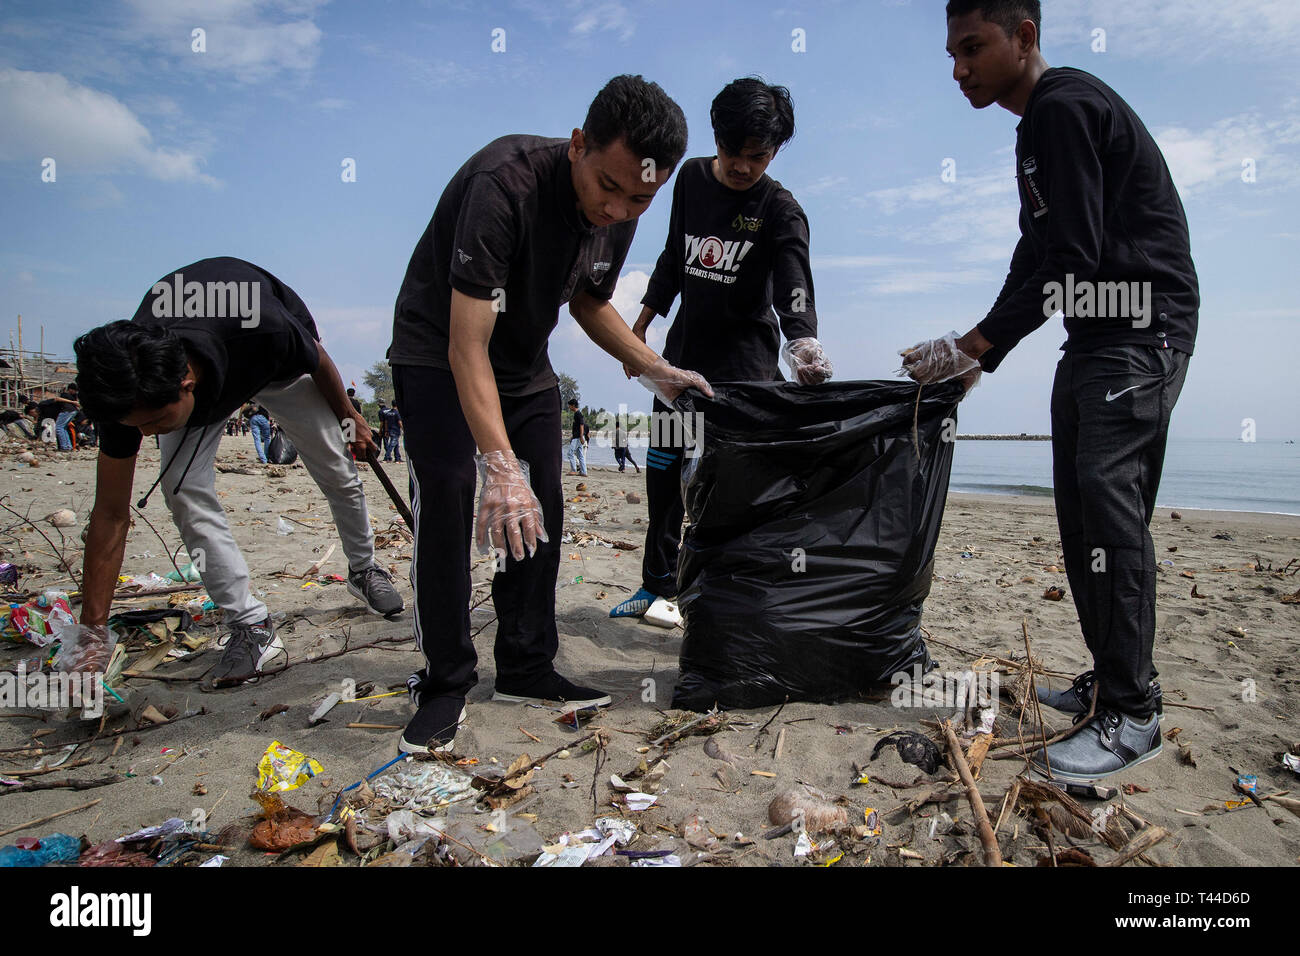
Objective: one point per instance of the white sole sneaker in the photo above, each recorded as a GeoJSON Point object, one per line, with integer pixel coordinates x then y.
{"type": "Point", "coordinates": [404, 746]}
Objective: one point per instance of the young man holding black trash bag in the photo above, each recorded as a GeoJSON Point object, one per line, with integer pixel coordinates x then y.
{"type": "Point", "coordinates": [205, 340]}
{"type": "Point", "coordinates": [1099, 216]}
{"type": "Point", "coordinates": [737, 254]}
{"type": "Point", "coordinates": [526, 225]}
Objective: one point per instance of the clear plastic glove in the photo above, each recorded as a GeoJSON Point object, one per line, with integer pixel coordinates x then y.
{"type": "Point", "coordinates": [938, 361]}
{"type": "Point", "coordinates": [668, 381]}
{"type": "Point", "coordinates": [807, 360]}
{"type": "Point", "coordinates": [509, 514]}
{"type": "Point", "coordinates": [85, 649]}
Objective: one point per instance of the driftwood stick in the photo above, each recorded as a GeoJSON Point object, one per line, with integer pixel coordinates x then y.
{"type": "Point", "coordinates": [46, 819]}
{"type": "Point", "coordinates": [69, 784]}
{"type": "Point", "coordinates": [1144, 841]}
{"type": "Point", "coordinates": [992, 853]}
{"type": "Point", "coordinates": [44, 748]}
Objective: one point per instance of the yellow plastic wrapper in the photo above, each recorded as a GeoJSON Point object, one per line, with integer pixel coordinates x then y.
{"type": "Point", "coordinates": [283, 769]}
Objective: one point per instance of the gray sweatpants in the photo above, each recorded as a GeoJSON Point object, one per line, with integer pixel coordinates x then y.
{"type": "Point", "coordinates": [306, 418]}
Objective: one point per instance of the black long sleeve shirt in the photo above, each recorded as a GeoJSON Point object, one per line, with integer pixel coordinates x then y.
{"type": "Point", "coordinates": [735, 258]}
{"type": "Point", "coordinates": [1098, 207]}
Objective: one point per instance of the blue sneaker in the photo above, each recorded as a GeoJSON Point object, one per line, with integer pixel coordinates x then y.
{"type": "Point", "coordinates": [634, 606]}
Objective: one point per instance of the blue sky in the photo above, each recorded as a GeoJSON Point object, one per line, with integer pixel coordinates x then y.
{"type": "Point", "coordinates": [164, 155]}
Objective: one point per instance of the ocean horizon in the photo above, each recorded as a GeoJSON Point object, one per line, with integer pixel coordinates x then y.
{"type": "Point", "coordinates": [1200, 473]}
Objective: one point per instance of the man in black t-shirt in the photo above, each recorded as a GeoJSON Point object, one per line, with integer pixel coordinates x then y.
{"type": "Point", "coordinates": [525, 226]}
{"type": "Point", "coordinates": [1104, 239]}
{"type": "Point", "coordinates": [737, 254]}
{"type": "Point", "coordinates": [205, 340]}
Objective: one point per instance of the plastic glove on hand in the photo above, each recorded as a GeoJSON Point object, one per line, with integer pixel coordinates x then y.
{"type": "Point", "coordinates": [509, 514]}
{"type": "Point", "coordinates": [668, 381]}
{"type": "Point", "coordinates": [807, 360]}
{"type": "Point", "coordinates": [937, 361]}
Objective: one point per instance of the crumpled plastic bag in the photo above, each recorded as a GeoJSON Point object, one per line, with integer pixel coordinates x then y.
{"type": "Point", "coordinates": [282, 768]}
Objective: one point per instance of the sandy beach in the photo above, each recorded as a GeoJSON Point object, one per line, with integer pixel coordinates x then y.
{"type": "Point", "coordinates": [996, 556]}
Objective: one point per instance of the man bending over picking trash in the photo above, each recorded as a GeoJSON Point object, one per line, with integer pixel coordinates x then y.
{"type": "Point", "coordinates": [205, 340]}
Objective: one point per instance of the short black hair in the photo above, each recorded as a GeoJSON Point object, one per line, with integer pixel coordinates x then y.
{"type": "Point", "coordinates": [351, 392]}
{"type": "Point", "coordinates": [1008, 14]}
{"type": "Point", "coordinates": [573, 402]}
{"type": "Point", "coordinates": [29, 406]}
{"type": "Point", "coordinates": [640, 113]}
{"type": "Point", "coordinates": [750, 108]}
{"type": "Point", "coordinates": [123, 366]}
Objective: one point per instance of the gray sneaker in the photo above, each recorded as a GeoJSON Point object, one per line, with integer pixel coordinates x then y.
{"type": "Point", "coordinates": [249, 648]}
{"type": "Point", "coordinates": [1077, 698]}
{"type": "Point", "coordinates": [1109, 743]}
{"type": "Point", "coordinates": [375, 589]}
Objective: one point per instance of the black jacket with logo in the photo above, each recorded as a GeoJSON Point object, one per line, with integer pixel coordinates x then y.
{"type": "Point", "coordinates": [733, 257]}
{"type": "Point", "coordinates": [1098, 208]}
{"type": "Point", "coordinates": [507, 228]}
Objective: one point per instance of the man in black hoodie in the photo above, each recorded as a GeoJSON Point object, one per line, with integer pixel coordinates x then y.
{"type": "Point", "coordinates": [1105, 241]}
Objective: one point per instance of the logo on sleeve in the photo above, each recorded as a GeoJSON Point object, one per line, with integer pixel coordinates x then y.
{"type": "Point", "coordinates": [463, 258]}
{"type": "Point", "coordinates": [598, 270]}
{"type": "Point", "coordinates": [1033, 193]}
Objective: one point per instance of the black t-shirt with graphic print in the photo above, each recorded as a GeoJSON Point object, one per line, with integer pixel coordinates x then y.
{"type": "Point", "coordinates": [242, 325]}
{"type": "Point", "coordinates": [507, 229]}
{"type": "Point", "coordinates": [735, 258]}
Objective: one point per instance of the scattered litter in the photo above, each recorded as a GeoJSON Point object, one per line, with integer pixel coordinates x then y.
{"type": "Point", "coordinates": [1054, 593]}
{"type": "Point", "coordinates": [63, 518]}
{"type": "Point", "coordinates": [283, 527]}
{"type": "Point", "coordinates": [282, 827]}
{"type": "Point", "coordinates": [323, 708]}
{"type": "Point", "coordinates": [640, 801]}
{"type": "Point", "coordinates": [914, 748]}
{"type": "Point", "coordinates": [215, 861]}
{"type": "Point", "coordinates": [671, 859]}
{"type": "Point", "coordinates": [808, 809]}
{"type": "Point", "coordinates": [422, 786]}
{"type": "Point", "coordinates": [55, 848]}
{"type": "Point", "coordinates": [284, 769]}
{"type": "Point", "coordinates": [1291, 762]}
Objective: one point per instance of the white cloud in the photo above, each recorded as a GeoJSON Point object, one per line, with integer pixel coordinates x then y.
{"type": "Point", "coordinates": [978, 213]}
{"type": "Point", "coordinates": [602, 18]}
{"type": "Point", "coordinates": [82, 129]}
{"type": "Point", "coordinates": [1182, 30]}
{"type": "Point", "coordinates": [1214, 156]}
{"type": "Point", "coordinates": [253, 40]}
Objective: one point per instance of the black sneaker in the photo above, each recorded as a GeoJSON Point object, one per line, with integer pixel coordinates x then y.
{"type": "Point", "coordinates": [375, 589]}
{"type": "Point", "coordinates": [553, 687]}
{"type": "Point", "coordinates": [433, 728]}
{"type": "Point", "coordinates": [1109, 743]}
{"type": "Point", "coordinates": [1077, 698]}
{"type": "Point", "coordinates": [249, 648]}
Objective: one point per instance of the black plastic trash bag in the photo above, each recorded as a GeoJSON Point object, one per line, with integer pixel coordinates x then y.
{"type": "Point", "coordinates": [813, 522]}
{"type": "Point", "coordinates": [279, 450]}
